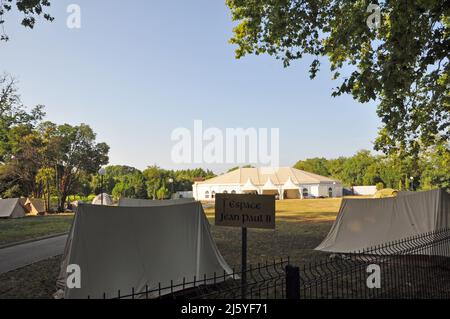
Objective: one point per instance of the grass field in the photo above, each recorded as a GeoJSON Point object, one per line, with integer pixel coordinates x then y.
{"type": "Point", "coordinates": [309, 210]}
{"type": "Point", "coordinates": [14, 230]}
{"type": "Point", "coordinates": [301, 226]}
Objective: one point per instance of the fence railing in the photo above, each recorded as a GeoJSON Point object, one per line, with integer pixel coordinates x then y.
{"type": "Point", "coordinates": [263, 281]}
{"type": "Point", "coordinates": [416, 267]}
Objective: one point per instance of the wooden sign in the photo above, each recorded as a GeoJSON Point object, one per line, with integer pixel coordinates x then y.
{"type": "Point", "coordinates": [245, 210]}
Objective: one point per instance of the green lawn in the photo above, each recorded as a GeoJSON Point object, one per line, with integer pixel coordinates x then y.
{"type": "Point", "coordinates": [307, 210]}
{"type": "Point", "coordinates": [13, 230]}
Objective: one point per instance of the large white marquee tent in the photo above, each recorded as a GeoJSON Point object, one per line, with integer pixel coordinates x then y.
{"type": "Point", "coordinates": [286, 182]}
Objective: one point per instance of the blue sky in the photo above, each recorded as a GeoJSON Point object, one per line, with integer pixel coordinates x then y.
{"type": "Point", "coordinates": [137, 70]}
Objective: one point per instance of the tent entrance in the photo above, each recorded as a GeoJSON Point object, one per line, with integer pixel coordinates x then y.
{"type": "Point", "coordinates": [292, 194]}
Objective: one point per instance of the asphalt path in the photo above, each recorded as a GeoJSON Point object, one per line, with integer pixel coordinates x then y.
{"type": "Point", "coordinates": [22, 255]}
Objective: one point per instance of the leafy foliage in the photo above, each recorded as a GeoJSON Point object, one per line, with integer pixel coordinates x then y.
{"type": "Point", "coordinates": [432, 171]}
{"type": "Point", "coordinates": [31, 9]}
{"type": "Point", "coordinates": [29, 149]}
{"type": "Point", "coordinates": [402, 65]}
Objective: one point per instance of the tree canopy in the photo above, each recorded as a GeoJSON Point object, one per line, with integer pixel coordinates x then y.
{"type": "Point", "coordinates": [30, 150]}
{"type": "Point", "coordinates": [364, 168]}
{"type": "Point", "coordinates": [402, 64]}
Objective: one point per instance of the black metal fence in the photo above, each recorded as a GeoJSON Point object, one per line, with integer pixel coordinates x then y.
{"type": "Point", "coordinates": [411, 268]}
{"type": "Point", "coordinates": [415, 267]}
{"type": "Point", "coordinates": [263, 281]}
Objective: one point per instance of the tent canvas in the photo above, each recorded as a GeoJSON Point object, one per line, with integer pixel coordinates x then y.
{"type": "Point", "coordinates": [107, 200]}
{"type": "Point", "coordinates": [120, 248]}
{"type": "Point", "coordinates": [365, 223]}
{"type": "Point", "coordinates": [132, 202]}
{"type": "Point", "coordinates": [11, 208]}
{"type": "Point", "coordinates": [35, 206]}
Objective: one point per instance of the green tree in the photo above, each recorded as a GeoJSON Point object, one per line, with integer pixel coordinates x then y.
{"type": "Point", "coordinates": [46, 178]}
{"type": "Point", "coordinates": [356, 168]}
{"type": "Point", "coordinates": [154, 177]}
{"type": "Point", "coordinates": [13, 114]}
{"type": "Point", "coordinates": [23, 161]}
{"type": "Point", "coordinates": [390, 173]}
{"type": "Point", "coordinates": [435, 165]}
{"type": "Point", "coordinates": [131, 185]}
{"type": "Point", "coordinates": [314, 165]}
{"type": "Point", "coordinates": [402, 65]}
{"type": "Point", "coordinates": [162, 193]}
{"type": "Point", "coordinates": [73, 151]}
{"type": "Point", "coordinates": [30, 9]}
{"type": "Point", "coordinates": [336, 166]}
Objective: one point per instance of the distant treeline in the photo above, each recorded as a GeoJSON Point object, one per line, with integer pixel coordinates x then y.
{"type": "Point", "coordinates": [153, 183]}
{"type": "Point", "coordinates": [431, 169]}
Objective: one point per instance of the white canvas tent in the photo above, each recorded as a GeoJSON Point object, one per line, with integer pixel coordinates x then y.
{"type": "Point", "coordinates": [11, 208]}
{"type": "Point", "coordinates": [120, 248]}
{"type": "Point", "coordinates": [365, 223]}
{"type": "Point", "coordinates": [107, 200]}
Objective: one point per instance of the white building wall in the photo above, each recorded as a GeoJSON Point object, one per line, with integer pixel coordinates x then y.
{"type": "Point", "coordinates": [199, 190]}
{"type": "Point", "coordinates": [336, 188]}
{"type": "Point", "coordinates": [364, 190]}
{"type": "Point", "coordinates": [314, 190]}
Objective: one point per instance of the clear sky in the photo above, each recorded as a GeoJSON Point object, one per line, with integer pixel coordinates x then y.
{"type": "Point", "coordinates": [136, 70]}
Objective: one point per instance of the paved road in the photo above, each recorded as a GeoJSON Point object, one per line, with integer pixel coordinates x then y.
{"type": "Point", "coordinates": [26, 254]}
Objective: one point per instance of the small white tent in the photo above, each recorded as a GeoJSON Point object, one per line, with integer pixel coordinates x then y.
{"type": "Point", "coordinates": [35, 206]}
{"type": "Point", "coordinates": [107, 200]}
{"type": "Point", "coordinates": [120, 248]}
{"type": "Point", "coordinates": [11, 208]}
{"type": "Point", "coordinates": [365, 223]}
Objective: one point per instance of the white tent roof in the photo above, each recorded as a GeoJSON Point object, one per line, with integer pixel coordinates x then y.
{"type": "Point", "coordinates": [249, 186]}
{"type": "Point", "coordinates": [11, 208]}
{"type": "Point", "coordinates": [107, 200]}
{"type": "Point", "coordinates": [120, 248]}
{"type": "Point", "coordinates": [269, 185]}
{"type": "Point", "coordinates": [365, 223]}
{"type": "Point", "coordinates": [290, 184]}
{"type": "Point", "coordinates": [259, 176]}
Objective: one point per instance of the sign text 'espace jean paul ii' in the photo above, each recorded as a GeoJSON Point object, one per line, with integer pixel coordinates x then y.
{"type": "Point", "coordinates": [245, 210]}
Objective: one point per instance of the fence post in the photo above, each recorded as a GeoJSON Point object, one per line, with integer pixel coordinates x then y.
{"type": "Point", "coordinates": [292, 282]}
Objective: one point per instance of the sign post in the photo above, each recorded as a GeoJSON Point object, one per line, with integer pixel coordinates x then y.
{"type": "Point", "coordinates": [244, 263]}
{"type": "Point", "coordinates": [245, 211]}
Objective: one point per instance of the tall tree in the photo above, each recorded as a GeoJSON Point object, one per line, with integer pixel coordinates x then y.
{"type": "Point", "coordinates": [13, 113]}
{"type": "Point", "coordinates": [402, 63]}
{"type": "Point", "coordinates": [20, 153]}
{"type": "Point", "coordinates": [314, 165]}
{"type": "Point", "coordinates": [46, 178]}
{"type": "Point", "coordinates": [73, 151]}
